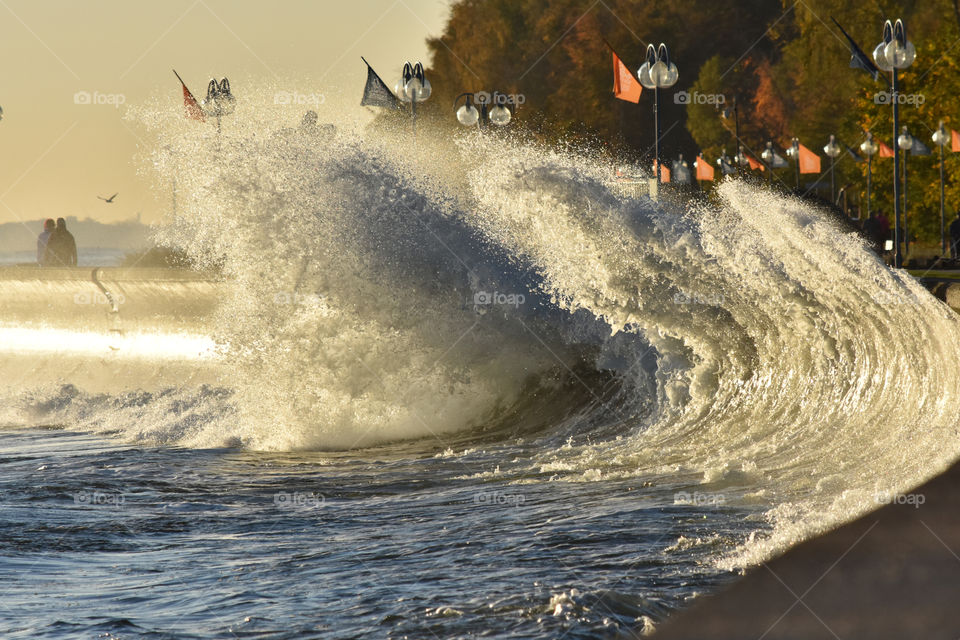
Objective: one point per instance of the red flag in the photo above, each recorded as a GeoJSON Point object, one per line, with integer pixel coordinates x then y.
{"type": "Point", "coordinates": [664, 173]}
{"type": "Point", "coordinates": [954, 141]}
{"type": "Point", "coordinates": [704, 170]}
{"type": "Point", "coordinates": [625, 86]}
{"type": "Point", "coordinates": [191, 107]}
{"type": "Point", "coordinates": [809, 161]}
{"type": "Point", "coordinates": [754, 163]}
{"type": "Point", "coordinates": [885, 151]}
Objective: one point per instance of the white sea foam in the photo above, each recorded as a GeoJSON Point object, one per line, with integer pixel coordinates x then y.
{"type": "Point", "coordinates": [737, 346]}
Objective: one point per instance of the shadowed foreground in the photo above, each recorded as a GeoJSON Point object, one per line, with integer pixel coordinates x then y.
{"type": "Point", "coordinates": [894, 573]}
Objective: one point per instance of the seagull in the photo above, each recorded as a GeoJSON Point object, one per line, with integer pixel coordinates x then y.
{"type": "Point", "coordinates": [110, 199]}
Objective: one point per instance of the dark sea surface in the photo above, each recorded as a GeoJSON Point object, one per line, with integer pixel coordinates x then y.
{"type": "Point", "coordinates": [98, 539]}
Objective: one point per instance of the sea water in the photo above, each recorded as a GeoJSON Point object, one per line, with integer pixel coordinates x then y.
{"type": "Point", "coordinates": [459, 388]}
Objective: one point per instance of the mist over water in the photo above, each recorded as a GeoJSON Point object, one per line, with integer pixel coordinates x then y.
{"type": "Point", "coordinates": [502, 307]}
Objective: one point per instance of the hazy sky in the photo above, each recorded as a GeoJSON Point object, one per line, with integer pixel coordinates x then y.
{"type": "Point", "coordinates": [57, 152]}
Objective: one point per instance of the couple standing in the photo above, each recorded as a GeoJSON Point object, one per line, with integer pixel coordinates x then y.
{"type": "Point", "coordinates": [56, 246]}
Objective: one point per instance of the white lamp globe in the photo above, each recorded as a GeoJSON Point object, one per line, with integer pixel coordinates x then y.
{"type": "Point", "coordinates": [832, 149]}
{"type": "Point", "coordinates": [413, 88]}
{"type": "Point", "coordinates": [910, 54]}
{"type": "Point", "coordinates": [500, 115]}
{"type": "Point", "coordinates": [659, 73]}
{"type": "Point", "coordinates": [468, 115]}
{"type": "Point", "coordinates": [643, 75]}
{"type": "Point", "coordinates": [898, 55]}
{"type": "Point", "coordinates": [672, 75]}
{"type": "Point", "coordinates": [880, 57]}
{"type": "Point", "coordinates": [905, 140]}
{"type": "Point", "coordinates": [940, 136]}
{"type": "Point", "coordinates": [425, 91]}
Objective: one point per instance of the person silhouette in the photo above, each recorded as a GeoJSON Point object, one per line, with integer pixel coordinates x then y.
{"type": "Point", "coordinates": [48, 226]}
{"type": "Point", "coordinates": [873, 230]}
{"type": "Point", "coordinates": [61, 248]}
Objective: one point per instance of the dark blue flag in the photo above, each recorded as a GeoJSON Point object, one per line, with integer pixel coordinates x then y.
{"type": "Point", "coordinates": [376, 93]}
{"type": "Point", "coordinates": [858, 59]}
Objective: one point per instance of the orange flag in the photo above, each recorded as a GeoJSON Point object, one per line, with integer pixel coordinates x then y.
{"type": "Point", "coordinates": [664, 173]}
{"type": "Point", "coordinates": [754, 163]}
{"type": "Point", "coordinates": [191, 107]}
{"type": "Point", "coordinates": [954, 140]}
{"type": "Point", "coordinates": [885, 151]}
{"type": "Point", "coordinates": [625, 86]}
{"type": "Point", "coordinates": [704, 170]}
{"type": "Point", "coordinates": [809, 161]}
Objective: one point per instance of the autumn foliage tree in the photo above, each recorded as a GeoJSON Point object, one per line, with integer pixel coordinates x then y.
{"type": "Point", "coordinates": [786, 64]}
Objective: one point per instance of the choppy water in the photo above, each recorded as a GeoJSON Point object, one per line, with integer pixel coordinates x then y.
{"type": "Point", "coordinates": [453, 389]}
{"type": "Point", "coordinates": [100, 538]}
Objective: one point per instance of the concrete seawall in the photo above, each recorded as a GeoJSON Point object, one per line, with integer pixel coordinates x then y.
{"type": "Point", "coordinates": [894, 573]}
{"type": "Point", "coordinates": [107, 329]}
{"type": "Point", "coordinates": [107, 298]}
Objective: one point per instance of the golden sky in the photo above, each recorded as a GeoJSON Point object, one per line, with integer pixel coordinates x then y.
{"type": "Point", "coordinates": [58, 152]}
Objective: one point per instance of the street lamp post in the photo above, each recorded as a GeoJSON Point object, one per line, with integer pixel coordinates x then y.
{"type": "Point", "coordinates": [657, 73]}
{"type": "Point", "coordinates": [413, 87]}
{"type": "Point", "coordinates": [832, 149]}
{"type": "Point", "coordinates": [793, 151]}
{"type": "Point", "coordinates": [681, 171]}
{"type": "Point", "coordinates": [735, 112]}
{"type": "Point", "coordinates": [940, 138]}
{"type": "Point", "coordinates": [905, 142]}
{"type": "Point", "coordinates": [893, 54]}
{"type": "Point", "coordinates": [219, 101]}
{"type": "Point", "coordinates": [741, 158]}
{"type": "Point", "coordinates": [869, 148]}
{"type": "Point", "coordinates": [767, 156]}
{"type": "Point", "coordinates": [725, 163]}
{"type": "Point", "coordinates": [468, 115]}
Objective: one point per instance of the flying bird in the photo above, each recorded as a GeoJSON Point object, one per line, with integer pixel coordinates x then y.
{"type": "Point", "coordinates": [110, 199]}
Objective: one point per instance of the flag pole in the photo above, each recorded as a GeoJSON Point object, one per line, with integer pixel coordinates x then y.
{"type": "Point", "coordinates": [898, 256]}
{"type": "Point", "coordinates": [943, 237]}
